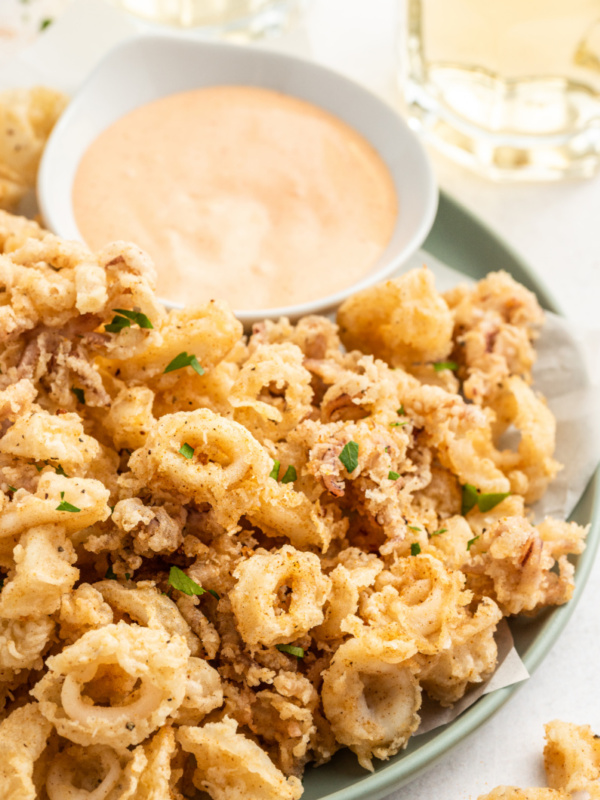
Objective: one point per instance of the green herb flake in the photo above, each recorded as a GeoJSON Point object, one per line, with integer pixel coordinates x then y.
{"type": "Point", "coordinates": [127, 576]}
{"type": "Point", "coordinates": [180, 581]}
{"type": "Point", "coordinates": [349, 456]}
{"type": "Point", "coordinates": [415, 549]}
{"type": "Point", "coordinates": [60, 471]}
{"type": "Point", "coordinates": [485, 502]}
{"type": "Point", "coordinates": [275, 471]}
{"type": "Point", "coordinates": [401, 412]}
{"type": "Point", "coordinates": [439, 366]}
{"type": "Point", "coordinates": [214, 594]}
{"type": "Point", "coordinates": [398, 424]}
{"type": "Point", "coordinates": [45, 23]}
{"type": "Point", "coordinates": [38, 467]}
{"type": "Point", "coordinates": [393, 476]}
{"type": "Point", "coordinates": [111, 575]}
{"type": "Point", "coordinates": [439, 532]}
{"type": "Point", "coordinates": [117, 325]}
{"type": "Point", "coordinates": [290, 475]}
{"type": "Point", "coordinates": [65, 506]}
{"type": "Point", "coordinates": [291, 649]}
{"type": "Point", "coordinates": [135, 316]}
{"type": "Point", "coordinates": [186, 450]}
{"type": "Point", "coordinates": [79, 394]}
{"type": "Point", "coordinates": [471, 541]}
{"type": "Point", "coordinates": [11, 489]}
{"type": "Point", "coordinates": [469, 498]}
{"type": "Point", "coordinates": [414, 527]}
{"type": "Point", "coordinates": [184, 360]}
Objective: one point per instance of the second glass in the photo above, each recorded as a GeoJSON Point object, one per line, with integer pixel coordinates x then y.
{"type": "Point", "coordinates": [510, 88]}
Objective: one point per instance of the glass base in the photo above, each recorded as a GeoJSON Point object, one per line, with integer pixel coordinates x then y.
{"type": "Point", "coordinates": [540, 131]}
{"type": "Point", "coordinates": [239, 20]}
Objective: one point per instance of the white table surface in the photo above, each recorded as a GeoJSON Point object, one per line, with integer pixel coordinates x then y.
{"type": "Point", "coordinates": [556, 227]}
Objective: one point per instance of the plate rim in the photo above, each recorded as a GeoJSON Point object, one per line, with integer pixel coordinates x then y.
{"type": "Point", "coordinates": [378, 784]}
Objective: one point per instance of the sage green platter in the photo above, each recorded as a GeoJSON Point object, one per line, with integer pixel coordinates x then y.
{"type": "Point", "coordinates": [464, 243]}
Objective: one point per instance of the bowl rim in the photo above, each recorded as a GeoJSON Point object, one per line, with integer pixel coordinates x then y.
{"type": "Point", "coordinates": [428, 188]}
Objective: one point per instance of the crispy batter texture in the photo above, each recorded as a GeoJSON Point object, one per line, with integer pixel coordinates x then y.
{"type": "Point", "coordinates": [212, 580]}
{"type": "Point", "coordinates": [27, 117]}
{"type": "Point", "coordinates": [572, 764]}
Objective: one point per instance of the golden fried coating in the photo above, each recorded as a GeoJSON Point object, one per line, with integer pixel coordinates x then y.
{"type": "Point", "coordinates": [572, 763]}
{"type": "Point", "coordinates": [27, 117]}
{"type": "Point", "coordinates": [224, 559]}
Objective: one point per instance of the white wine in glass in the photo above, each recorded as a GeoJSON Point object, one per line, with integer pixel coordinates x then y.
{"type": "Point", "coordinates": [508, 87]}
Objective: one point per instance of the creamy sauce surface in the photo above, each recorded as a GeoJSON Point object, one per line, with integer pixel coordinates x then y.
{"type": "Point", "coordinates": [238, 193]}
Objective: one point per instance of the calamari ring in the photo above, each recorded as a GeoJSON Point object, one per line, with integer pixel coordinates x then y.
{"type": "Point", "coordinates": [226, 468]}
{"type": "Point", "coordinates": [277, 367]}
{"type": "Point", "coordinates": [145, 669]}
{"type": "Point", "coordinates": [147, 606]}
{"type": "Point", "coordinates": [102, 769]}
{"type": "Point", "coordinates": [254, 597]}
{"type": "Point", "coordinates": [370, 699]}
{"type": "Point", "coordinates": [230, 765]}
{"type": "Point", "coordinates": [42, 508]}
{"type": "Point", "coordinates": [423, 601]}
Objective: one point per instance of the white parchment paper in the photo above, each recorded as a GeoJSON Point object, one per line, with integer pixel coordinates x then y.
{"type": "Point", "coordinates": [568, 358]}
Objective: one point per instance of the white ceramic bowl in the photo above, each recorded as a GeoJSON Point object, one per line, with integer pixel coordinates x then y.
{"type": "Point", "coordinates": [143, 69]}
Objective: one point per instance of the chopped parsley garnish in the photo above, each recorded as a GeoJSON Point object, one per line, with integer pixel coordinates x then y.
{"type": "Point", "coordinates": [439, 532]}
{"type": "Point", "coordinates": [275, 471]}
{"type": "Point", "coordinates": [442, 365]}
{"type": "Point", "coordinates": [183, 583]}
{"type": "Point", "coordinates": [471, 541]}
{"type": "Point", "coordinates": [398, 424]}
{"type": "Point", "coordinates": [349, 456]}
{"type": "Point", "coordinates": [60, 471]}
{"type": "Point", "coordinates": [393, 476]}
{"type": "Point", "coordinates": [79, 394]}
{"type": "Point", "coordinates": [65, 506]}
{"type": "Point", "coordinates": [38, 467]}
{"type": "Point", "coordinates": [290, 475]}
{"type": "Point", "coordinates": [471, 497]}
{"type": "Point", "coordinates": [127, 576]}
{"type": "Point", "coordinates": [135, 316]}
{"type": "Point", "coordinates": [415, 549]}
{"type": "Point", "coordinates": [186, 450]}
{"type": "Point", "coordinates": [414, 527]}
{"type": "Point", "coordinates": [184, 360]}
{"type": "Point", "coordinates": [486, 502]}
{"type": "Point", "coordinates": [45, 23]}
{"type": "Point", "coordinates": [124, 319]}
{"type": "Point", "coordinates": [111, 575]}
{"type": "Point", "coordinates": [117, 325]}
{"type": "Point", "coordinates": [401, 412]}
{"type": "Point", "coordinates": [11, 489]}
{"type": "Point", "coordinates": [291, 649]}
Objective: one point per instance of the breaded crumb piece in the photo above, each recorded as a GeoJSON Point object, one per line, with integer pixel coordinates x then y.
{"type": "Point", "coordinates": [572, 763]}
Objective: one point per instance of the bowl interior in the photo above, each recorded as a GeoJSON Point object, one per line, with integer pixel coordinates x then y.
{"type": "Point", "coordinates": [150, 67]}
